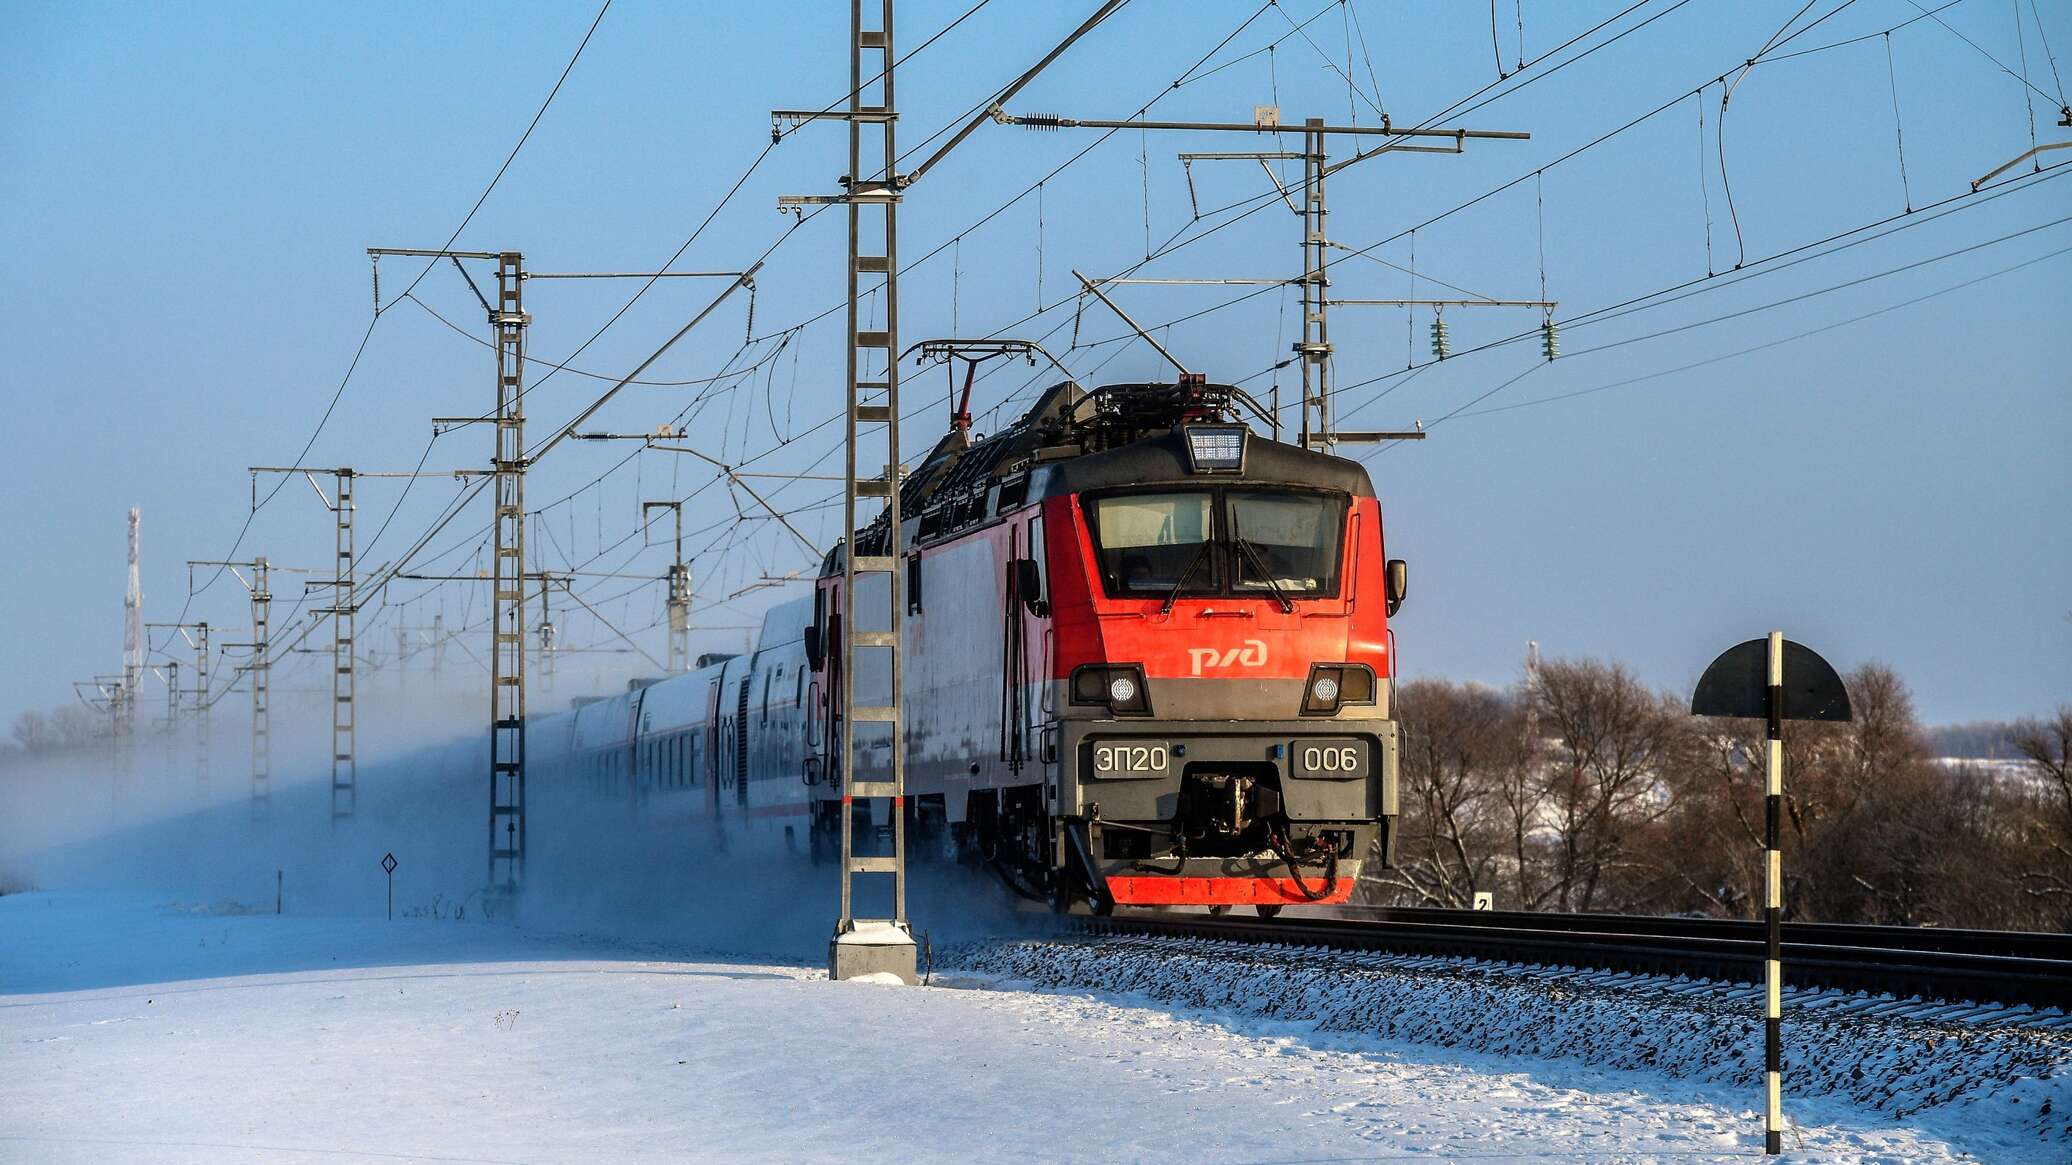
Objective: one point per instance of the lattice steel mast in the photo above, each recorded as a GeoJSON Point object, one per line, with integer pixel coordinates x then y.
{"type": "Point", "coordinates": [873, 193]}
{"type": "Point", "coordinates": [507, 583]}
{"type": "Point", "coordinates": [259, 671]}
{"type": "Point", "coordinates": [343, 611]}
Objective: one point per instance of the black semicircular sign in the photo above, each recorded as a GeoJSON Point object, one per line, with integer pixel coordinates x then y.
{"type": "Point", "coordinates": [1736, 683]}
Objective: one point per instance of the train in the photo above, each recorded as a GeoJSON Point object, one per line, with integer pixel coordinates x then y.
{"type": "Point", "coordinates": [1146, 662]}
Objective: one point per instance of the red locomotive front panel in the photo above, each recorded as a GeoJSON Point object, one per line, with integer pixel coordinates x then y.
{"type": "Point", "coordinates": [1222, 650]}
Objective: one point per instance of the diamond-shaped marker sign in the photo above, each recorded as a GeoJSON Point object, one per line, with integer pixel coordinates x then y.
{"type": "Point", "coordinates": [388, 863]}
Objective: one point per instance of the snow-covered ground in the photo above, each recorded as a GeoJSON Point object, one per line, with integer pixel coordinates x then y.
{"type": "Point", "coordinates": [1997, 1077]}
{"type": "Point", "coordinates": [134, 1031]}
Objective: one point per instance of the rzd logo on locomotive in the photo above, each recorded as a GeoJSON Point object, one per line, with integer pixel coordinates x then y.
{"type": "Point", "coordinates": [1251, 654]}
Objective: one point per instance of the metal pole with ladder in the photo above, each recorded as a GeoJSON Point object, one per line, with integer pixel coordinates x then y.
{"type": "Point", "coordinates": [1313, 350]}
{"type": "Point", "coordinates": [345, 785]}
{"type": "Point", "coordinates": [258, 670]}
{"type": "Point", "coordinates": [1315, 346]}
{"type": "Point", "coordinates": [197, 637]}
{"type": "Point", "coordinates": [201, 703]}
{"type": "Point", "coordinates": [507, 627]}
{"type": "Point", "coordinates": [344, 711]}
{"type": "Point", "coordinates": [679, 605]}
{"type": "Point", "coordinates": [262, 695]}
{"type": "Point", "coordinates": [866, 946]}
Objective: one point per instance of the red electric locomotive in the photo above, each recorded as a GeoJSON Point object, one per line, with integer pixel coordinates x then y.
{"type": "Point", "coordinates": [1146, 662]}
{"type": "Point", "coordinates": [1146, 655]}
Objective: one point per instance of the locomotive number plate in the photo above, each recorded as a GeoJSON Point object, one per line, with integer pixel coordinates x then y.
{"type": "Point", "coordinates": [1328, 758]}
{"type": "Point", "coordinates": [1136, 758]}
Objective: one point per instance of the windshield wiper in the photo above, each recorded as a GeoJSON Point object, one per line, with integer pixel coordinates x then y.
{"type": "Point", "coordinates": [1258, 560]}
{"type": "Point", "coordinates": [1173, 596]}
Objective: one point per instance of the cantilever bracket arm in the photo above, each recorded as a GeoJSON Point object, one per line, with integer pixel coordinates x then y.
{"type": "Point", "coordinates": [2018, 159]}
{"type": "Point", "coordinates": [992, 111]}
{"type": "Point", "coordinates": [1090, 285]}
{"type": "Point", "coordinates": [745, 279]}
{"type": "Point", "coordinates": [734, 478]}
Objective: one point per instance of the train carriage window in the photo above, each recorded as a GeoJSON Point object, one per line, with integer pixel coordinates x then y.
{"type": "Point", "coordinates": [913, 583]}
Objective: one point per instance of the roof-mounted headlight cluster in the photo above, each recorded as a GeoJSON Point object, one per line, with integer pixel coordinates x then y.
{"type": "Point", "coordinates": [1215, 448]}
{"type": "Point", "coordinates": [1332, 686]}
{"type": "Point", "coordinates": [1118, 686]}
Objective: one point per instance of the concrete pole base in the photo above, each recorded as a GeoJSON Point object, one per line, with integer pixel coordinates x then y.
{"type": "Point", "coordinates": [873, 948]}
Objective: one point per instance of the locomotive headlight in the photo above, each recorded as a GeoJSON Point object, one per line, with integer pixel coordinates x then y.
{"type": "Point", "coordinates": [1117, 686]}
{"type": "Point", "coordinates": [1333, 685]}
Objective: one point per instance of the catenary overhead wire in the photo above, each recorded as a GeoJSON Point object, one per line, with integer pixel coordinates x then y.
{"type": "Point", "coordinates": [361, 348]}
{"type": "Point", "coordinates": [1768, 344]}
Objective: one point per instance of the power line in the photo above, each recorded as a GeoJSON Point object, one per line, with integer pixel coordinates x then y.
{"type": "Point", "coordinates": [1804, 252]}
{"type": "Point", "coordinates": [1457, 411]}
{"type": "Point", "coordinates": [1768, 344]}
{"type": "Point", "coordinates": [360, 349]}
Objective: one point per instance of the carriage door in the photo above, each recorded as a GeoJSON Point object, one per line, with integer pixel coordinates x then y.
{"type": "Point", "coordinates": [1040, 709]}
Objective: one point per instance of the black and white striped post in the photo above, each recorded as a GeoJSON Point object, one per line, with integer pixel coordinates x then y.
{"type": "Point", "coordinates": [1773, 900]}
{"type": "Point", "coordinates": [1776, 680]}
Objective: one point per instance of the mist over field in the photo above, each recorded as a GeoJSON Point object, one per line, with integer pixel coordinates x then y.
{"type": "Point", "coordinates": [602, 865]}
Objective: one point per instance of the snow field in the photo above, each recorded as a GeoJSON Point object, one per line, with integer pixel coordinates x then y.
{"type": "Point", "coordinates": [139, 1032]}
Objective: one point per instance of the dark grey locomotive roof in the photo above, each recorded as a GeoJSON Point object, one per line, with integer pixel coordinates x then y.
{"type": "Point", "coordinates": [1073, 440]}
{"type": "Point", "coordinates": [1162, 459]}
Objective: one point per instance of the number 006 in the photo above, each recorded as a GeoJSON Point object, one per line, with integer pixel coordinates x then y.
{"type": "Point", "coordinates": [1336, 758]}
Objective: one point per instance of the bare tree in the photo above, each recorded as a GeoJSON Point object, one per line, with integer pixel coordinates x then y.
{"type": "Point", "coordinates": [1459, 741]}
{"type": "Point", "coordinates": [1622, 801]}
{"type": "Point", "coordinates": [74, 726]}
{"type": "Point", "coordinates": [1613, 740]}
{"type": "Point", "coordinates": [32, 731]}
{"type": "Point", "coordinates": [2045, 836]}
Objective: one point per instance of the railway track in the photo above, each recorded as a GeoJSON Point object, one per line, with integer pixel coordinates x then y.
{"type": "Point", "coordinates": [2004, 967]}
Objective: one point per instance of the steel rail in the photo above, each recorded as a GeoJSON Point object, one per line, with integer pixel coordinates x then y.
{"type": "Point", "coordinates": [1931, 963]}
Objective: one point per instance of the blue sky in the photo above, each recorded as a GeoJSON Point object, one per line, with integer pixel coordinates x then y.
{"type": "Point", "coordinates": [187, 192]}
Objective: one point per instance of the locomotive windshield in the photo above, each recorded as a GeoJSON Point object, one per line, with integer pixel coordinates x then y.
{"type": "Point", "coordinates": [1219, 542]}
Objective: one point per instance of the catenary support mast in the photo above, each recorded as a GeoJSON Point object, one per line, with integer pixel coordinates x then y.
{"type": "Point", "coordinates": [258, 671]}
{"type": "Point", "coordinates": [679, 604]}
{"type": "Point", "coordinates": [343, 585]}
{"type": "Point", "coordinates": [872, 197]}
{"type": "Point", "coordinates": [507, 626]}
{"type": "Point", "coordinates": [1313, 350]}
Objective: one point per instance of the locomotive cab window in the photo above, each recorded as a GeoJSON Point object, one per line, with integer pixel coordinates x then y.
{"type": "Point", "coordinates": [1151, 543]}
{"type": "Point", "coordinates": [1285, 542]}
{"type": "Point", "coordinates": [1251, 542]}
